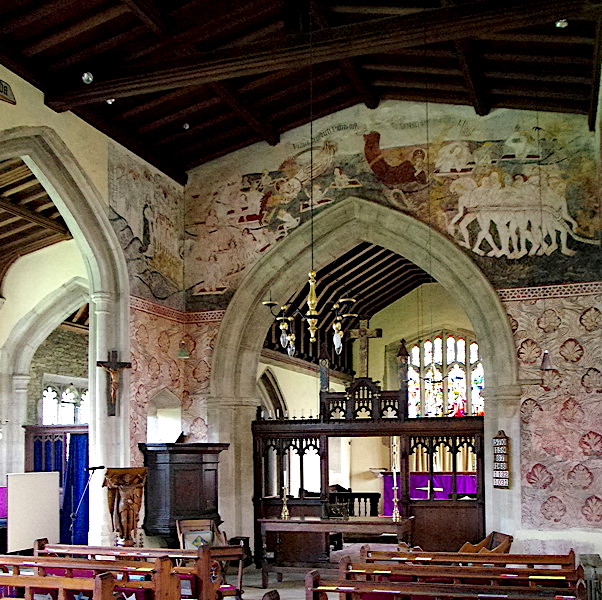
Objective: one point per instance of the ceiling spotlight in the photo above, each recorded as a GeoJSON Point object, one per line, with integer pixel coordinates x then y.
{"type": "Point", "coordinates": [562, 23]}
{"type": "Point", "coordinates": [110, 100]}
{"type": "Point", "coordinates": [186, 126]}
{"type": "Point", "coordinates": [87, 78]}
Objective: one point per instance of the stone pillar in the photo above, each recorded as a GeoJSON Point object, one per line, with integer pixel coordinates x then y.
{"type": "Point", "coordinates": [109, 436]}
{"type": "Point", "coordinates": [229, 421]}
{"type": "Point", "coordinates": [502, 411]}
{"type": "Point", "coordinates": [13, 435]}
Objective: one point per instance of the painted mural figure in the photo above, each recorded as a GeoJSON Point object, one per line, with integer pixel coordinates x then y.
{"type": "Point", "coordinates": [391, 168]}
{"type": "Point", "coordinates": [454, 158]}
{"type": "Point", "coordinates": [523, 216]}
{"type": "Point", "coordinates": [147, 230]}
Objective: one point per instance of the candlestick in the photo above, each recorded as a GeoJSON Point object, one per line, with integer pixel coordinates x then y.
{"type": "Point", "coordinates": [395, 516]}
{"type": "Point", "coordinates": [284, 514]}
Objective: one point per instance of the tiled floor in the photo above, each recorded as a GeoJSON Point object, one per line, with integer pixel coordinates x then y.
{"type": "Point", "coordinates": [291, 588]}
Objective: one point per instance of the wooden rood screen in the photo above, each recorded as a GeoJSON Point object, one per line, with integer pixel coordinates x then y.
{"type": "Point", "coordinates": [441, 465]}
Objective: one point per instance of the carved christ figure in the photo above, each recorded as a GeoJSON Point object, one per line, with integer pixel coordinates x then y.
{"type": "Point", "coordinates": [113, 367]}
{"type": "Point", "coordinates": [124, 495]}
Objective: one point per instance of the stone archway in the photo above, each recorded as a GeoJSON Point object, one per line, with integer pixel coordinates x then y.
{"type": "Point", "coordinates": [338, 229]}
{"type": "Point", "coordinates": [84, 210]}
{"type": "Point", "coordinates": [19, 348]}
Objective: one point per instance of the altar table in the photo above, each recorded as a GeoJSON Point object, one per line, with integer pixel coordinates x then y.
{"type": "Point", "coordinates": [358, 525]}
{"type": "Point", "coordinates": [421, 488]}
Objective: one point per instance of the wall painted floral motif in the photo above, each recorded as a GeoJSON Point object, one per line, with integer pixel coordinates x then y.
{"type": "Point", "coordinates": [561, 419]}
{"type": "Point", "coordinates": [516, 189]}
{"type": "Point", "coordinates": [156, 333]}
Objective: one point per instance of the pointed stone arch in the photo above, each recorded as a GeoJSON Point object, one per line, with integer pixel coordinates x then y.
{"type": "Point", "coordinates": [271, 394]}
{"type": "Point", "coordinates": [83, 209]}
{"type": "Point", "coordinates": [338, 229]}
{"type": "Point", "coordinates": [18, 351]}
{"type": "Point", "coordinates": [34, 327]}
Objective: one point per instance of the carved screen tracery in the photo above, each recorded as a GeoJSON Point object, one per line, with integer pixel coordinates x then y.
{"type": "Point", "coordinates": [443, 467]}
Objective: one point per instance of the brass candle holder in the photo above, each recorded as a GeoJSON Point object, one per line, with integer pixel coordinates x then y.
{"type": "Point", "coordinates": [284, 514]}
{"type": "Point", "coordinates": [395, 515]}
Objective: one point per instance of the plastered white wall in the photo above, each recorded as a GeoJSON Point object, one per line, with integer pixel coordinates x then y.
{"type": "Point", "coordinates": [427, 308]}
{"type": "Point", "coordinates": [33, 276]}
{"type": "Point", "coordinates": [89, 146]}
{"type": "Point", "coordinates": [366, 453]}
{"type": "Point", "coordinates": [301, 391]}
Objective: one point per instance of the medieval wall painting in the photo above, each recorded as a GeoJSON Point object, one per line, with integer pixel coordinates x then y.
{"type": "Point", "coordinates": [516, 189]}
{"type": "Point", "coordinates": [146, 213]}
{"type": "Point", "coordinates": [561, 460]}
{"type": "Point", "coordinates": [156, 333]}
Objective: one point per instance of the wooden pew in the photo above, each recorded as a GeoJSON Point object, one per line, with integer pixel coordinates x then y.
{"type": "Point", "coordinates": [454, 587]}
{"type": "Point", "coordinates": [205, 563]}
{"type": "Point", "coordinates": [549, 561]}
{"type": "Point", "coordinates": [570, 579]}
{"type": "Point", "coordinates": [156, 577]}
{"type": "Point", "coordinates": [101, 587]}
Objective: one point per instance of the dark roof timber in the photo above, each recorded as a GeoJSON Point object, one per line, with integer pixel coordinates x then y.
{"type": "Point", "coordinates": [196, 79]}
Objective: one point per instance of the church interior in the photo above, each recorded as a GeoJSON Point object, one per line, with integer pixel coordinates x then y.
{"type": "Point", "coordinates": [309, 274]}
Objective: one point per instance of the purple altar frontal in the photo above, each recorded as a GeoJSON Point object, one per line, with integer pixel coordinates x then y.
{"type": "Point", "coordinates": [442, 487]}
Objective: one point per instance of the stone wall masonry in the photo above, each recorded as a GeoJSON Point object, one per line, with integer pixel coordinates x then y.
{"type": "Point", "coordinates": [62, 353]}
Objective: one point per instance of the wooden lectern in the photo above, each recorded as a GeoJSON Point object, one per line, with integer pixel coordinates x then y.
{"type": "Point", "coordinates": [124, 496]}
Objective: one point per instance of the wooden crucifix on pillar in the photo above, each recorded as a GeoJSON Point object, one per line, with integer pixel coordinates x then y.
{"type": "Point", "coordinates": [363, 333]}
{"type": "Point", "coordinates": [113, 367]}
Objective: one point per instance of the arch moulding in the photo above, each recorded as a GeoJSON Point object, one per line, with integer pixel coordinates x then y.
{"type": "Point", "coordinates": [338, 229]}
{"type": "Point", "coordinates": [84, 210]}
{"type": "Point", "coordinates": [283, 271]}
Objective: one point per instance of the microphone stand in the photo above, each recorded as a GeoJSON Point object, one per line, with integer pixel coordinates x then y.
{"type": "Point", "coordinates": [81, 499]}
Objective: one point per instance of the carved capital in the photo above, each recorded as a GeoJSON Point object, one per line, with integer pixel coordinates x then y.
{"type": "Point", "coordinates": [102, 302]}
{"type": "Point", "coordinates": [20, 383]}
{"type": "Point", "coordinates": [503, 400]}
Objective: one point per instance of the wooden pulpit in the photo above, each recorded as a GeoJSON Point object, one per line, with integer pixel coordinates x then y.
{"type": "Point", "coordinates": [182, 483]}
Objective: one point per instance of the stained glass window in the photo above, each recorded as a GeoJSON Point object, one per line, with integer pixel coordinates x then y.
{"type": "Point", "coordinates": [445, 377]}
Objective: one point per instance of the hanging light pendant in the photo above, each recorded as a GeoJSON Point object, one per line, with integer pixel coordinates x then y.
{"type": "Point", "coordinates": [340, 308]}
{"type": "Point", "coordinates": [546, 363]}
{"type": "Point", "coordinates": [312, 303]}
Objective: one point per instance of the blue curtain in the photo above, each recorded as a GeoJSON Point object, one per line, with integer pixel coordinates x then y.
{"type": "Point", "coordinates": [75, 482]}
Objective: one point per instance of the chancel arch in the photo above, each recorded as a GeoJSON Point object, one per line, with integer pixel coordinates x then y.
{"type": "Point", "coordinates": [83, 209]}
{"type": "Point", "coordinates": [336, 230]}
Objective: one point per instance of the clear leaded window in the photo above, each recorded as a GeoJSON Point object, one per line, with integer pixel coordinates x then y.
{"type": "Point", "coordinates": [445, 377]}
{"type": "Point", "coordinates": [65, 401]}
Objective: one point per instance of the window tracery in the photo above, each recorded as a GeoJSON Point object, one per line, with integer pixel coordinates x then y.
{"type": "Point", "coordinates": [445, 376]}
{"type": "Point", "coordinates": [65, 401]}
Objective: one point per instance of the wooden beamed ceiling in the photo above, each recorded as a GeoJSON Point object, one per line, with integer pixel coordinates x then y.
{"type": "Point", "coordinates": [193, 80]}
{"type": "Point", "coordinates": [29, 220]}
{"type": "Point", "coordinates": [376, 277]}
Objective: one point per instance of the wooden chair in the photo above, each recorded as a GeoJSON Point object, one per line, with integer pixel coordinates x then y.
{"type": "Point", "coordinates": [495, 542]}
{"type": "Point", "coordinates": [213, 536]}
